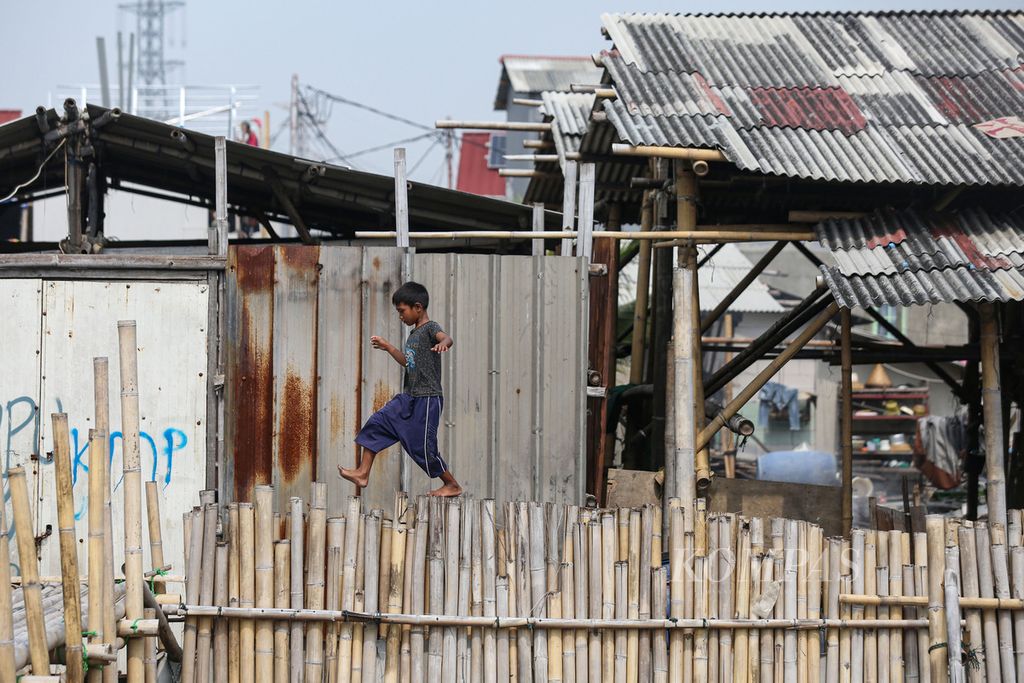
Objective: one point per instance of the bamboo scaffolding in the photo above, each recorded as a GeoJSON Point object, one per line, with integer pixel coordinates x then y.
{"type": "Point", "coordinates": [371, 578]}
{"type": "Point", "coordinates": [263, 562]}
{"type": "Point", "coordinates": [220, 633]}
{"type": "Point", "coordinates": [335, 542]}
{"type": "Point", "coordinates": [297, 559]}
{"type": "Point", "coordinates": [204, 637]}
{"type": "Point", "coordinates": [234, 589]}
{"type": "Point", "coordinates": [101, 410]}
{"type": "Point", "coordinates": [491, 663]}
{"type": "Point", "coordinates": [156, 545]}
{"type": "Point", "coordinates": [348, 589]}
{"type": "Point", "coordinates": [359, 599]}
{"type": "Point", "coordinates": [396, 581]}
{"type": "Point", "coordinates": [462, 654]}
{"type": "Point", "coordinates": [435, 560]}
{"type": "Point", "coordinates": [1017, 573]}
{"type": "Point", "coordinates": [476, 606]}
{"type": "Point", "coordinates": [659, 605]}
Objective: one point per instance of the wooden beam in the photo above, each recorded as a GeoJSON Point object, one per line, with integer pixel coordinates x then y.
{"type": "Point", "coordinates": [270, 175]}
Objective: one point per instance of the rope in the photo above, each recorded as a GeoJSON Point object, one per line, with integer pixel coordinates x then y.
{"type": "Point", "coordinates": [937, 646]}
{"type": "Point", "coordinates": [152, 580]}
{"type": "Point", "coordinates": [135, 626]}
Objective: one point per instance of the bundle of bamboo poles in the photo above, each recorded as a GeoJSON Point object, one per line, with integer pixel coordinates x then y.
{"type": "Point", "coordinates": [86, 627]}
{"type": "Point", "coordinates": [469, 590]}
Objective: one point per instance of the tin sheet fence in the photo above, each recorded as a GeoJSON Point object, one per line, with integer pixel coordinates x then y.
{"type": "Point", "coordinates": [52, 331]}
{"type": "Point", "coordinates": [302, 376]}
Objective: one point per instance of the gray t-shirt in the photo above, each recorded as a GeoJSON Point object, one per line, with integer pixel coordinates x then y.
{"type": "Point", "coordinates": [423, 366]}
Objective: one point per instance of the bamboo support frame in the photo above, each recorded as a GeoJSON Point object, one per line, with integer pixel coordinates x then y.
{"type": "Point", "coordinates": [29, 562]}
{"type": "Point", "coordinates": [282, 599]}
{"type": "Point", "coordinates": [101, 408]}
{"type": "Point", "coordinates": [296, 644]}
{"type": "Point", "coordinates": [664, 238]}
{"type": "Point", "coordinates": [247, 590]}
{"type": "Point", "coordinates": [7, 662]}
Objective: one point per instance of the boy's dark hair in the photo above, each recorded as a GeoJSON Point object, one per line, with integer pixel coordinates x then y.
{"type": "Point", "coordinates": [410, 294]}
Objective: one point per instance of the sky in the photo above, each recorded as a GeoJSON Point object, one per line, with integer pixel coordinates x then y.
{"type": "Point", "coordinates": [420, 60]}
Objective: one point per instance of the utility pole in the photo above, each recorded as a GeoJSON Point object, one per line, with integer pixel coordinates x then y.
{"type": "Point", "coordinates": [449, 143]}
{"type": "Point", "coordinates": [293, 117]}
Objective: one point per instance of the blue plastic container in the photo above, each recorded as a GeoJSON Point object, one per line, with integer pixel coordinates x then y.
{"type": "Point", "coordinates": [799, 467]}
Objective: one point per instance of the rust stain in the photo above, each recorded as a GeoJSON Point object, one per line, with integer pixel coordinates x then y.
{"type": "Point", "coordinates": [296, 426]}
{"type": "Point", "coordinates": [381, 395]}
{"type": "Point", "coordinates": [376, 262]}
{"type": "Point", "coordinates": [251, 376]}
{"type": "Point", "coordinates": [337, 417]}
{"type": "Point", "coordinates": [301, 257]}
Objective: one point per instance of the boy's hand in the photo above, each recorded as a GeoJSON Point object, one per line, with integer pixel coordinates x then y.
{"type": "Point", "coordinates": [440, 347]}
{"type": "Point", "coordinates": [379, 343]}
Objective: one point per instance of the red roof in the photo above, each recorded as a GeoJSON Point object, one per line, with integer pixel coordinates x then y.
{"type": "Point", "coordinates": [8, 115]}
{"type": "Point", "coordinates": [474, 174]}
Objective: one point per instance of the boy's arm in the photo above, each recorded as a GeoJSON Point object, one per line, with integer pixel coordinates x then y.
{"type": "Point", "coordinates": [444, 342]}
{"type": "Point", "coordinates": [385, 345]}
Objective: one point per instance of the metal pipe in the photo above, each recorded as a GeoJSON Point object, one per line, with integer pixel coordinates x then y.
{"type": "Point", "coordinates": [846, 423]}
{"type": "Point", "coordinates": [44, 125]}
{"type": "Point", "coordinates": [687, 153]}
{"type": "Point", "coordinates": [766, 374]}
{"type": "Point", "coordinates": [182, 138]}
{"type": "Point", "coordinates": [71, 110]}
{"type": "Point", "coordinates": [768, 339]}
{"type": "Point", "coordinates": [696, 235]}
{"type": "Point", "coordinates": [741, 286]}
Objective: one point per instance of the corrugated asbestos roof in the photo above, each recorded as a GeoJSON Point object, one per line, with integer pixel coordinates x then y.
{"type": "Point", "coordinates": [722, 272]}
{"type": "Point", "coordinates": [871, 97]}
{"type": "Point", "coordinates": [909, 257]}
{"type": "Point", "coordinates": [569, 114]}
{"type": "Point", "coordinates": [527, 74]}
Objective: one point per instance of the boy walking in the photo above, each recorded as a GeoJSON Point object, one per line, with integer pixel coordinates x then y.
{"type": "Point", "coordinates": [412, 416]}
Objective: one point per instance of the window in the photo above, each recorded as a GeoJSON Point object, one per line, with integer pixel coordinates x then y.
{"type": "Point", "coordinates": [496, 155]}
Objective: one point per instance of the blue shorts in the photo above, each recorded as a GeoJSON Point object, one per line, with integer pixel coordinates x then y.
{"type": "Point", "coordinates": [411, 420]}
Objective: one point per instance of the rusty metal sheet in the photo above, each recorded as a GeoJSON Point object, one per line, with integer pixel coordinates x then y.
{"type": "Point", "coordinates": [249, 417]}
{"type": "Point", "coordinates": [381, 375]}
{"type": "Point", "coordinates": [340, 338]}
{"type": "Point", "coordinates": [80, 323]}
{"type": "Point", "coordinates": [296, 276]}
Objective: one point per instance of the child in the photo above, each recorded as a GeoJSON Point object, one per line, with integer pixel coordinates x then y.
{"type": "Point", "coordinates": [412, 416]}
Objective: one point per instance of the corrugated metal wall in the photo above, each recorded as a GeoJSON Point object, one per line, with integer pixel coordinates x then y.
{"type": "Point", "coordinates": [54, 329]}
{"type": "Point", "coordinates": [302, 376]}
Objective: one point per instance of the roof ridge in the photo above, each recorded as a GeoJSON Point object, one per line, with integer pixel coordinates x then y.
{"type": "Point", "coordinates": [828, 13]}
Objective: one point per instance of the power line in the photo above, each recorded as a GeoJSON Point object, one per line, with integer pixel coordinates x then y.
{"type": "Point", "coordinates": [366, 107]}
{"type": "Point", "coordinates": [391, 145]}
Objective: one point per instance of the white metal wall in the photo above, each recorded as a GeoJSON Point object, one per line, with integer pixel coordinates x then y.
{"type": "Point", "coordinates": [54, 330]}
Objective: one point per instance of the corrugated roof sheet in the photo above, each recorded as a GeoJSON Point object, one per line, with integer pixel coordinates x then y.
{"type": "Point", "coordinates": [883, 97]}
{"type": "Point", "coordinates": [536, 74]}
{"type": "Point", "coordinates": [569, 114]}
{"type": "Point", "coordinates": [722, 272]}
{"type": "Point", "coordinates": [911, 257]}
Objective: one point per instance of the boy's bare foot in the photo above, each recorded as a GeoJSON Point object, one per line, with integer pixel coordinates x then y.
{"type": "Point", "coordinates": [354, 476]}
{"type": "Point", "coordinates": [447, 491]}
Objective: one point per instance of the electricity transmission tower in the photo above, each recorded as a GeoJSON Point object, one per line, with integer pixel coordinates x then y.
{"type": "Point", "coordinates": [153, 65]}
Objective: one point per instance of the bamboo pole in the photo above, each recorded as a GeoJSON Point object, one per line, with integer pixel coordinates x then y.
{"type": "Point", "coordinates": [150, 661]}
{"type": "Point", "coordinates": [348, 590]}
{"type": "Point", "coordinates": [282, 599]}
{"type": "Point", "coordinates": [644, 664]}
{"type": "Point", "coordinates": [220, 632]}
{"type": "Point", "coordinates": [297, 559]}
{"type": "Point", "coordinates": [315, 584]}
{"type": "Point", "coordinates": [435, 560]}
{"type": "Point", "coordinates": [394, 599]}
{"type": "Point", "coordinates": [707, 235]}
{"type": "Point", "coordinates": [501, 640]}
{"type": "Point", "coordinates": [741, 652]}
{"type": "Point", "coordinates": [633, 594]}
{"type": "Point", "coordinates": [936, 613]}
{"type": "Point", "coordinates": [31, 591]}
{"type": "Point", "coordinates": [524, 594]}
{"type": "Point", "coordinates": [608, 559]}
{"type": "Point", "coordinates": [568, 609]}
{"type": "Point", "coordinates": [595, 573]}
{"type": "Point", "coordinates": [676, 587]}
{"type": "Point", "coordinates": [726, 576]}
{"type": "Point", "coordinates": [335, 542]}
{"type": "Point", "coordinates": [462, 654]}
{"type": "Point", "coordinates": [643, 286]}
{"type": "Point", "coordinates": [371, 579]}
{"type": "Point", "coordinates": [246, 591]}
{"type": "Point", "coordinates": [832, 652]}
{"type": "Point", "coordinates": [921, 588]}
{"type": "Point", "coordinates": [263, 562]}
{"type": "Point", "coordinates": [685, 153]}
{"type": "Point", "coordinates": [1017, 571]}
{"type": "Point", "coordinates": [911, 658]}
{"type": "Point", "coordinates": [767, 641]}
{"type": "Point", "coordinates": [896, 672]}
{"type": "Point", "coordinates": [234, 591]}
{"type": "Point", "coordinates": [383, 567]}
{"type": "Point", "coordinates": [951, 583]}
{"type": "Point", "coordinates": [132, 487]}
{"type": "Point", "coordinates": [754, 636]}
{"type": "Point", "coordinates": [581, 597]}
{"type": "Point", "coordinates": [156, 545]}
{"type": "Point", "coordinates": [419, 565]}
{"type": "Point", "coordinates": [1000, 574]}
{"type": "Point", "coordinates": [538, 587]}
{"type": "Point", "coordinates": [204, 637]}
{"type": "Point", "coordinates": [359, 600]}
{"type": "Point", "coordinates": [871, 587]}
{"type": "Point", "coordinates": [790, 605]}
{"type": "Point", "coordinates": [97, 542]}
{"type": "Point", "coordinates": [659, 605]}
{"type": "Point", "coordinates": [846, 420]}
{"type": "Point", "coordinates": [194, 563]}
{"type": "Point", "coordinates": [7, 665]}
{"type": "Point", "coordinates": [619, 668]}
{"type": "Point", "coordinates": [410, 517]}
{"type": "Point", "coordinates": [477, 594]}
{"type": "Point", "coordinates": [68, 549]}
{"type": "Point", "coordinates": [101, 408]}
{"type": "Point", "coordinates": [487, 540]}
{"type": "Point", "coordinates": [992, 405]}
{"type": "Point", "coordinates": [986, 584]}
